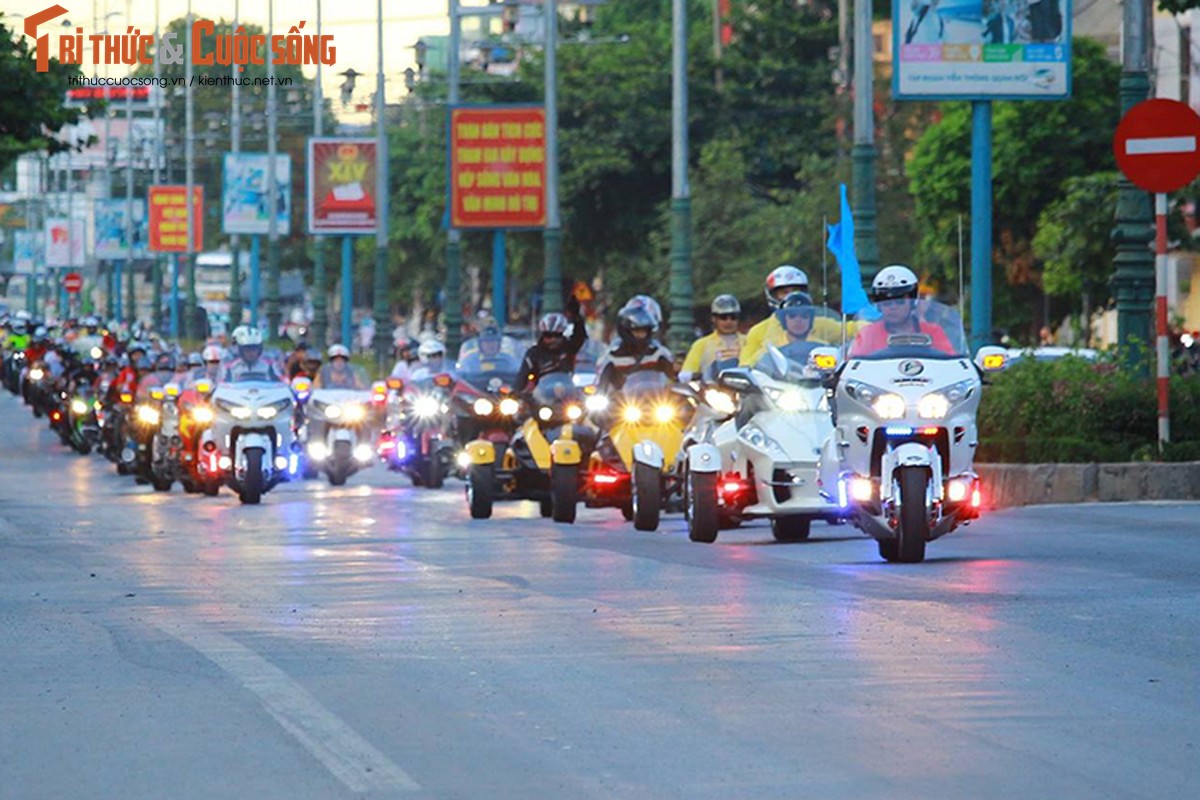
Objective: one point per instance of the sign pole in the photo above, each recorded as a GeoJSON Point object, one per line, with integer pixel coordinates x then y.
{"type": "Point", "coordinates": [347, 290]}
{"type": "Point", "coordinates": [499, 267]}
{"type": "Point", "coordinates": [981, 223]}
{"type": "Point", "coordinates": [1160, 318]}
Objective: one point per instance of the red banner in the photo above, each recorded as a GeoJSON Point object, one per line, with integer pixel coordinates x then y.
{"type": "Point", "coordinates": [168, 219]}
{"type": "Point", "coordinates": [341, 186]}
{"type": "Point", "coordinates": [498, 167]}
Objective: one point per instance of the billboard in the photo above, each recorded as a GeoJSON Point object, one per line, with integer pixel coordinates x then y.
{"type": "Point", "coordinates": [981, 49]}
{"type": "Point", "coordinates": [64, 242]}
{"type": "Point", "coordinates": [244, 200]}
{"type": "Point", "coordinates": [341, 186]}
{"type": "Point", "coordinates": [168, 219]}
{"type": "Point", "coordinates": [25, 251]}
{"type": "Point", "coordinates": [497, 167]}
{"type": "Point", "coordinates": [109, 218]}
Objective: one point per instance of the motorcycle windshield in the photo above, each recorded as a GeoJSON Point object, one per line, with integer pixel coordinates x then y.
{"type": "Point", "coordinates": [645, 382]}
{"type": "Point", "coordinates": [556, 388]}
{"type": "Point", "coordinates": [790, 362]}
{"type": "Point", "coordinates": [489, 373]}
{"type": "Point", "coordinates": [490, 348]}
{"type": "Point", "coordinates": [908, 328]}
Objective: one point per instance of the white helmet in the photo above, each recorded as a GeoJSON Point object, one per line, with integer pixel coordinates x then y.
{"type": "Point", "coordinates": [337, 351]}
{"type": "Point", "coordinates": [894, 280]}
{"type": "Point", "coordinates": [785, 276]}
{"type": "Point", "coordinates": [647, 304]}
{"type": "Point", "coordinates": [430, 350]}
{"type": "Point", "coordinates": [211, 353]}
{"type": "Point", "coordinates": [245, 336]}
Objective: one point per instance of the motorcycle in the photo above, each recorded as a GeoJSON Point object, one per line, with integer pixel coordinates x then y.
{"type": "Point", "coordinates": [900, 462]}
{"type": "Point", "coordinates": [338, 432]}
{"type": "Point", "coordinates": [145, 421]}
{"type": "Point", "coordinates": [83, 429]}
{"type": "Point", "coordinates": [200, 459]}
{"type": "Point", "coordinates": [252, 426]}
{"type": "Point", "coordinates": [482, 397]}
{"type": "Point", "coordinates": [421, 443]}
{"type": "Point", "coordinates": [632, 467]}
{"type": "Point", "coordinates": [542, 461]}
{"type": "Point", "coordinates": [762, 461]}
{"type": "Point", "coordinates": [166, 446]}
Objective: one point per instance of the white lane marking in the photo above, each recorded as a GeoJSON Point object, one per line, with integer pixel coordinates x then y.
{"type": "Point", "coordinates": [351, 758]}
{"type": "Point", "coordinates": [1160, 144]}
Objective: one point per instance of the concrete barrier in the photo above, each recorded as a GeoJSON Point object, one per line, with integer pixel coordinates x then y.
{"type": "Point", "coordinates": [1008, 485]}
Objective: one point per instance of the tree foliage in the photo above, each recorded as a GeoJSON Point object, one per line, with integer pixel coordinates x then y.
{"type": "Point", "coordinates": [1073, 241]}
{"type": "Point", "coordinates": [31, 105]}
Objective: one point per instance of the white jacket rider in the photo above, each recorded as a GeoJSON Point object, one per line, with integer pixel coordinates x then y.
{"type": "Point", "coordinates": [249, 364]}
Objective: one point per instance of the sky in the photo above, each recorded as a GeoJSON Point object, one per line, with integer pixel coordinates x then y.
{"type": "Point", "coordinates": [352, 23]}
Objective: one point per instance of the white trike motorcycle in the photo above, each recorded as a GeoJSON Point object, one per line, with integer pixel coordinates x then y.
{"type": "Point", "coordinates": [901, 460]}
{"type": "Point", "coordinates": [339, 437]}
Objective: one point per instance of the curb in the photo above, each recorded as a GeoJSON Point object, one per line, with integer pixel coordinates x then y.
{"type": "Point", "coordinates": [1011, 485]}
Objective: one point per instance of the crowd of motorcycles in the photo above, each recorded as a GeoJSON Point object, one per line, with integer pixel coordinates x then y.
{"type": "Point", "coordinates": [883, 440]}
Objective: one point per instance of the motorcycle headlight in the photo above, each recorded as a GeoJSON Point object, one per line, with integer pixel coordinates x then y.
{"type": "Point", "coordinates": [36, 374]}
{"type": "Point", "coordinates": [574, 412]}
{"type": "Point", "coordinates": [267, 412]}
{"type": "Point", "coordinates": [354, 413]}
{"type": "Point", "coordinates": [863, 392]}
{"type": "Point", "coordinates": [889, 406]}
{"type": "Point", "coordinates": [78, 406]}
{"type": "Point", "coordinates": [960, 391]}
{"type": "Point", "coordinates": [483, 407]}
{"type": "Point", "coordinates": [758, 439]}
{"type": "Point", "coordinates": [333, 411]}
{"type": "Point", "coordinates": [545, 413]}
{"type": "Point", "coordinates": [720, 402]}
{"type": "Point", "coordinates": [664, 412]}
{"type": "Point", "coordinates": [426, 406]}
{"type": "Point", "coordinates": [148, 415]}
{"type": "Point", "coordinates": [202, 414]}
{"type": "Point", "coordinates": [631, 414]}
{"type": "Point", "coordinates": [509, 406]}
{"type": "Point", "coordinates": [596, 402]}
{"type": "Point", "coordinates": [788, 399]}
{"type": "Point", "coordinates": [240, 412]}
{"type": "Point", "coordinates": [933, 406]}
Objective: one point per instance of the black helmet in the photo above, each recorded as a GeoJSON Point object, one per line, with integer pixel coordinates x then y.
{"type": "Point", "coordinates": [634, 318]}
{"type": "Point", "coordinates": [795, 304]}
{"type": "Point", "coordinates": [165, 362]}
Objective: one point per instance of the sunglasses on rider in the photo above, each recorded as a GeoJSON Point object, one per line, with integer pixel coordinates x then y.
{"type": "Point", "coordinates": [796, 313]}
{"type": "Point", "coordinates": [725, 316]}
{"type": "Point", "coordinates": [895, 302]}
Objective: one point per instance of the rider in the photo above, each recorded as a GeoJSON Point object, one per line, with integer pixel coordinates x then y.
{"type": "Point", "coordinates": [405, 356]}
{"type": "Point", "coordinates": [894, 293]}
{"type": "Point", "coordinates": [635, 349]}
{"type": "Point", "coordinates": [162, 373]}
{"type": "Point", "coordinates": [295, 361]}
{"type": "Point", "coordinates": [127, 378]}
{"type": "Point", "coordinates": [210, 369]}
{"type": "Point", "coordinates": [338, 373]}
{"type": "Point", "coordinates": [249, 363]}
{"type": "Point", "coordinates": [782, 281]}
{"type": "Point", "coordinates": [719, 349]}
{"type": "Point", "coordinates": [432, 355]}
{"type": "Point", "coordinates": [553, 351]}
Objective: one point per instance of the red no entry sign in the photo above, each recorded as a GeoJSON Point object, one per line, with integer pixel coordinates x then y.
{"type": "Point", "coordinates": [1157, 145]}
{"type": "Point", "coordinates": [72, 282]}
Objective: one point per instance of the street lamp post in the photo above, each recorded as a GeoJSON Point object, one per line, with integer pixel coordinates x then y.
{"type": "Point", "coordinates": [866, 240]}
{"type": "Point", "coordinates": [235, 146]}
{"type": "Point", "coordinates": [273, 316]}
{"type": "Point", "coordinates": [453, 288]}
{"type": "Point", "coordinates": [320, 313]}
{"type": "Point", "coordinates": [190, 319]}
{"type": "Point", "coordinates": [382, 317]}
{"type": "Point", "coordinates": [1133, 278]}
{"type": "Point", "coordinates": [132, 302]}
{"type": "Point", "coordinates": [681, 200]}
{"type": "Point", "coordinates": [156, 265]}
{"type": "Point", "coordinates": [552, 235]}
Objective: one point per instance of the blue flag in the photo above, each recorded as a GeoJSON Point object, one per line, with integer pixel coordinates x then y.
{"type": "Point", "coordinates": [841, 244]}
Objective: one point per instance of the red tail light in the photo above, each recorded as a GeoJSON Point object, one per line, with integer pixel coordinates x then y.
{"type": "Point", "coordinates": [56, 416]}
{"type": "Point", "coordinates": [735, 490]}
{"type": "Point", "coordinates": [214, 463]}
{"type": "Point", "coordinates": [607, 478]}
{"type": "Point", "coordinates": [976, 498]}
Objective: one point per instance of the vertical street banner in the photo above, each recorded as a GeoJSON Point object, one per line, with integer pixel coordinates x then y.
{"type": "Point", "coordinates": [168, 219]}
{"type": "Point", "coordinates": [109, 217]}
{"type": "Point", "coordinates": [244, 202]}
{"type": "Point", "coordinates": [341, 186]}
{"type": "Point", "coordinates": [497, 167]}
{"type": "Point", "coordinates": [25, 251]}
{"type": "Point", "coordinates": [64, 242]}
{"type": "Point", "coordinates": [981, 49]}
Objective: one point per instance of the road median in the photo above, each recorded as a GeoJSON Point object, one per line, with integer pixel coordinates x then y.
{"type": "Point", "coordinates": [1010, 485]}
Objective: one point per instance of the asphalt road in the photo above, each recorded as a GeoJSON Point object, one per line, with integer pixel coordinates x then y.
{"type": "Point", "coordinates": [372, 641]}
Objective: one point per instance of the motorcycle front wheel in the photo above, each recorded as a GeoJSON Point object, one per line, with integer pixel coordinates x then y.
{"type": "Point", "coordinates": [909, 545]}
{"type": "Point", "coordinates": [252, 483]}
{"type": "Point", "coordinates": [647, 496]}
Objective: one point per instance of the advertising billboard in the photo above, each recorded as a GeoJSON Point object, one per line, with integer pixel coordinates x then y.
{"type": "Point", "coordinates": [168, 219]}
{"type": "Point", "coordinates": [110, 229]}
{"type": "Point", "coordinates": [497, 167]}
{"type": "Point", "coordinates": [64, 242]}
{"type": "Point", "coordinates": [244, 203]}
{"type": "Point", "coordinates": [341, 186]}
{"type": "Point", "coordinates": [981, 49]}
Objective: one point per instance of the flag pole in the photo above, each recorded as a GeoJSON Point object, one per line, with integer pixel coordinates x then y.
{"type": "Point", "coordinates": [824, 261]}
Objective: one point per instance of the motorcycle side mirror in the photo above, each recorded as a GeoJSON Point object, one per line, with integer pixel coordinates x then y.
{"type": "Point", "coordinates": [301, 387]}
{"type": "Point", "coordinates": [687, 390]}
{"type": "Point", "coordinates": [442, 380]}
{"type": "Point", "coordinates": [204, 386]}
{"type": "Point", "coordinates": [738, 379]}
{"type": "Point", "coordinates": [395, 384]}
{"type": "Point", "coordinates": [172, 389]}
{"type": "Point", "coordinates": [991, 359]}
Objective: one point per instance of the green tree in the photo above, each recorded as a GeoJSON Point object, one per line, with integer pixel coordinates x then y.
{"type": "Point", "coordinates": [1072, 239]}
{"type": "Point", "coordinates": [1036, 148]}
{"type": "Point", "coordinates": [31, 105]}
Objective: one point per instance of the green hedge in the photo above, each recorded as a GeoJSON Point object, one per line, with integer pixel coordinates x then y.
{"type": "Point", "coordinates": [1072, 410]}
